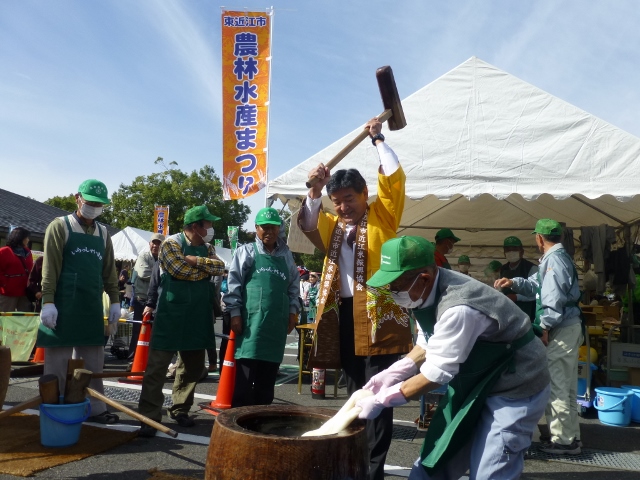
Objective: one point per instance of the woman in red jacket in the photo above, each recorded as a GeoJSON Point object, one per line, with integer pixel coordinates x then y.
{"type": "Point", "coordinates": [15, 264]}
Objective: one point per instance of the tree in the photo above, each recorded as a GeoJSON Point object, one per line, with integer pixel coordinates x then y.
{"type": "Point", "coordinates": [133, 205]}
{"type": "Point", "coordinates": [313, 262]}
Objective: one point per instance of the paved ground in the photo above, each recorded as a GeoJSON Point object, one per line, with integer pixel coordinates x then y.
{"type": "Point", "coordinates": [610, 453]}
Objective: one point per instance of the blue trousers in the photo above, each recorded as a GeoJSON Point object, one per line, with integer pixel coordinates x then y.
{"type": "Point", "coordinates": [499, 442]}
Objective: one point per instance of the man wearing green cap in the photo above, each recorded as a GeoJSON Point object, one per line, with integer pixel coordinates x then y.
{"type": "Point", "coordinates": [262, 300]}
{"type": "Point", "coordinates": [492, 271]}
{"type": "Point", "coordinates": [558, 322]}
{"type": "Point", "coordinates": [517, 266]}
{"type": "Point", "coordinates": [183, 319]}
{"type": "Point", "coordinates": [481, 344]}
{"type": "Point", "coordinates": [78, 267]}
{"type": "Point", "coordinates": [464, 264]}
{"type": "Point", "coordinates": [445, 240]}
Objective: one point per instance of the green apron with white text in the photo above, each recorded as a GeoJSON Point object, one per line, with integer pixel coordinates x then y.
{"type": "Point", "coordinates": [265, 310]}
{"type": "Point", "coordinates": [184, 317]}
{"type": "Point", "coordinates": [78, 296]}
{"type": "Point", "coordinates": [459, 409]}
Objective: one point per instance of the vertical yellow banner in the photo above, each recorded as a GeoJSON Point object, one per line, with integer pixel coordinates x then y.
{"type": "Point", "coordinates": [246, 67]}
{"type": "Point", "coordinates": [161, 220]}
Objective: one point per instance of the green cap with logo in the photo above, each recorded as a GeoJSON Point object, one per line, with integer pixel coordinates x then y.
{"type": "Point", "coordinates": [94, 191]}
{"type": "Point", "coordinates": [446, 233]}
{"type": "Point", "coordinates": [400, 255]}
{"type": "Point", "coordinates": [268, 216]}
{"type": "Point", "coordinates": [546, 226]}
{"type": "Point", "coordinates": [201, 212]}
{"type": "Point", "coordinates": [464, 259]}
{"type": "Point", "coordinates": [512, 242]}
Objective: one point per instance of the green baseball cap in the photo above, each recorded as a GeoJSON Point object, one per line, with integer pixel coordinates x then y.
{"type": "Point", "coordinates": [464, 259]}
{"type": "Point", "coordinates": [400, 255]}
{"type": "Point", "coordinates": [546, 226]}
{"type": "Point", "coordinates": [512, 242]}
{"type": "Point", "coordinates": [201, 212]}
{"type": "Point", "coordinates": [94, 191]}
{"type": "Point", "coordinates": [446, 233]}
{"type": "Point", "coordinates": [268, 216]}
{"type": "Point", "coordinates": [493, 266]}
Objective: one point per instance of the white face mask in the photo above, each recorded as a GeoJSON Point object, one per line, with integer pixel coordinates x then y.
{"type": "Point", "coordinates": [463, 268]}
{"type": "Point", "coordinates": [209, 236]}
{"type": "Point", "coordinates": [512, 257]}
{"type": "Point", "coordinates": [404, 300]}
{"type": "Point", "coordinates": [87, 211]}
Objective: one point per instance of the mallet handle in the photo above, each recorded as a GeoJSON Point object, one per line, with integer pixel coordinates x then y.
{"type": "Point", "coordinates": [383, 117]}
{"type": "Point", "coordinates": [34, 402]}
{"type": "Point", "coordinates": [131, 413]}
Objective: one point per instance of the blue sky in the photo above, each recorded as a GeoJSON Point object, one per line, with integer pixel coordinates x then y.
{"type": "Point", "coordinates": [102, 88]}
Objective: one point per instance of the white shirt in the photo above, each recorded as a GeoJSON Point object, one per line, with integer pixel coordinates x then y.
{"type": "Point", "coordinates": [454, 335]}
{"type": "Point", "coordinates": [389, 163]}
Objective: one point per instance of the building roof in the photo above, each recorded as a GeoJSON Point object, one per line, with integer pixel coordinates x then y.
{"type": "Point", "coordinates": [31, 214]}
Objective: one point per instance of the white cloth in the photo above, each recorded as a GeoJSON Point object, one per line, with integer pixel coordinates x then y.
{"type": "Point", "coordinates": [389, 164]}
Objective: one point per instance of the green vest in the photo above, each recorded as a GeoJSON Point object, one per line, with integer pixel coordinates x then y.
{"type": "Point", "coordinates": [265, 309]}
{"type": "Point", "coordinates": [459, 409]}
{"type": "Point", "coordinates": [78, 297]}
{"type": "Point", "coordinates": [184, 317]}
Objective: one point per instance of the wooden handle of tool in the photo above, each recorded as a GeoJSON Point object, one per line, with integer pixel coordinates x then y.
{"type": "Point", "coordinates": [117, 374]}
{"type": "Point", "coordinates": [34, 402]}
{"type": "Point", "coordinates": [383, 117]}
{"type": "Point", "coordinates": [5, 372]}
{"type": "Point", "coordinates": [131, 413]}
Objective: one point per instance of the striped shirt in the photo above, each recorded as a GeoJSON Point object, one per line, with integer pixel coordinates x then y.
{"type": "Point", "coordinates": [173, 262]}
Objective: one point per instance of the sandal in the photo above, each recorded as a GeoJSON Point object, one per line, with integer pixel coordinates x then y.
{"type": "Point", "coordinates": [104, 418]}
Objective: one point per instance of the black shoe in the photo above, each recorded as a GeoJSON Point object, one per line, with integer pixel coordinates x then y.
{"type": "Point", "coordinates": [558, 449]}
{"type": "Point", "coordinates": [183, 420]}
{"type": "Point", "coordinates": [105, 418]}
{"type": "Point", "coordinates": [147, 431]}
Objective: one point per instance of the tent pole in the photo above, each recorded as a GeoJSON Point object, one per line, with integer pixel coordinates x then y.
{"type": "Point", "coordinates": [621, 222]}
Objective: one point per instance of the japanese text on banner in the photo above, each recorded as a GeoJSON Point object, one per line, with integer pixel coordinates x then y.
{"type": "Point", "coordinates": [161, 220]}
{"type": "Point", "coordinates": [246, 55]}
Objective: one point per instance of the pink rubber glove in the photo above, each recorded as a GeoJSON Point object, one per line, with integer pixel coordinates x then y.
{"type": "Point", "coordinates": [386, 397]}
{"type": "Point", "coordinates": [398, 372]}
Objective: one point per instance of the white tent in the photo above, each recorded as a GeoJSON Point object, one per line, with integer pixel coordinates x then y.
{"type": "Point", "coordinates": [487, 154]}
{"type": "Point", "coordinates": [130, 242]}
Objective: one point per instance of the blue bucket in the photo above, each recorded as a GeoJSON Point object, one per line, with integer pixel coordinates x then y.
{"type": "Point", "coordinates": [614, 406]}
{"type": "Point", "coordinates": [635, 402]}
{"type": "Point", "coordinates": [60, 424]}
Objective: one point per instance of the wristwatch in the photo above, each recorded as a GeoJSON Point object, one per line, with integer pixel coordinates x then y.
{"type": "Point", "coordinates": [377, 136]}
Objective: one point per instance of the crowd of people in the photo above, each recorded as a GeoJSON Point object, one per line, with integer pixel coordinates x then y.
{"type": "Point", "coordinates": [506, 348]}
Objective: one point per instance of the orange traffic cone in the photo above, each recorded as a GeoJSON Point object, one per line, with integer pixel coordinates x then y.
{"type": "Point", "coordinates": [227, 380]}
{"type": "Point", "coordinates": [142, 351]}
{"type": "Point", "coordinates": [38, 357]}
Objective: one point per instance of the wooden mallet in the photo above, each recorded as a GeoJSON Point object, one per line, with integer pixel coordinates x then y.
{"type": "Point", "coordinates": [79, 384]}
{"type": "Point", "coordinates": [393, 115]}
{"type": "Point", "coordinates": [49, 393]}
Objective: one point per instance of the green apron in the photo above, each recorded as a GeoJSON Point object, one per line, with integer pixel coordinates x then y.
{"type": "Point", "coordinates": [184, 317]}
{"type": "Point", "coordinates": [265, 310]}
{"type": "Point", "coordinates": [78, 296]}
{"type": "Point", "coordinates": [459, 409]}
{"type": "Point", "coordinates": [539, 310]}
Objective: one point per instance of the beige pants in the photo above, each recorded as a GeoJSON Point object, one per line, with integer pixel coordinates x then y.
{"type": "Point", "coordinates": [12, 304]}
{"type": "Point", "coordinates": [562, 358]}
